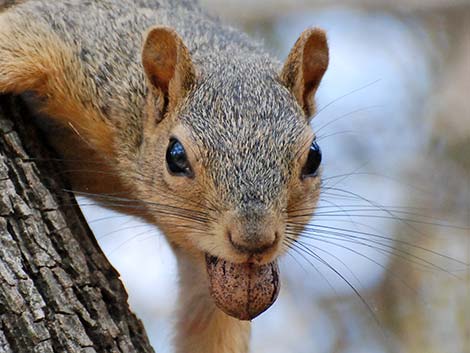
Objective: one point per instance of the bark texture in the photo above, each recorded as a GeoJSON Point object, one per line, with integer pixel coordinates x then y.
{"type": "Point", "coordinates": [58, 292]}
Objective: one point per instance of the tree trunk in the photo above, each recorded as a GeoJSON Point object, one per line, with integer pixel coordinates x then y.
{"type": "Point", "coordinates": [58, 292]}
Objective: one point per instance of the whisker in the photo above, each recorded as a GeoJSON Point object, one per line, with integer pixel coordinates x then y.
{"type": "Point", "coordinates": [353, 288]}
{"type": "Point", "coordinates": [344, 96]}
{"type": "Point", "coordinates": [153, 205]}
{"type": "Point", "coordinates": [359, 110]}
{"type": "Point", "coordinates": [392, 217]}
{"type": "Point", "coordinates": [130, 200]}
{"type": "Point", "coordinates": [314, 227]}
{"type": "Point", "coordinates": [308, 246]}
{"type": "Point", "coordinates": [127, 241]}
{"type": "Point", "coordinates": [344, 132]}
{"type": "Point", "coordinates": [403, 221]}
{"type": "Point", "coordinates": [107, 234]}
{"type": "Point", "coordinates": [301, 253]}
{"type": "Point", "coordinates": [389, 249]}
{"type": "Point", "coordinates": [385, 268]}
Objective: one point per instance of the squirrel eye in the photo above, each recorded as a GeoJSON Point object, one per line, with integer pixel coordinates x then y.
{"type": "Point", "coordinates": [310, 168]}
{"type": "Point", "coordinates": [176, 159]}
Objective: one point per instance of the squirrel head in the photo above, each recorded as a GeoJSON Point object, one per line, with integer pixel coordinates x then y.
{"type": "Point", "coordinates": [231, 161]}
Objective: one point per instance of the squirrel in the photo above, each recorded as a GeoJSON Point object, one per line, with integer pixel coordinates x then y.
{"type": "Point", "coordinates": [161, 111]}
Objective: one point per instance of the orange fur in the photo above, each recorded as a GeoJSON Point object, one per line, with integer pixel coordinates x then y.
{"type": "Point", "coordinates": [37, 60]}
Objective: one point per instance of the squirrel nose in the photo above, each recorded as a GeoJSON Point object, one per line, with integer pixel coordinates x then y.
{"type": "Point", "coordinates": [254, 230]}
{"type": "Point", "coordinates": [253, 244]}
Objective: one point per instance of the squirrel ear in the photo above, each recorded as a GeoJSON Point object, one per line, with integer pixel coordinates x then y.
{"type": "Point", "coordinates": [305, 66]}
{"type": "Point", "coordinates": [167, 64]}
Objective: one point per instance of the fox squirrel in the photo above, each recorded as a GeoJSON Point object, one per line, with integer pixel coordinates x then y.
{"type": "Point", "coordinates": [163, 112]}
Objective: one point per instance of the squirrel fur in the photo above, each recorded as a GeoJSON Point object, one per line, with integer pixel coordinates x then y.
{"type": "Point", "coordinates": [119, 79]}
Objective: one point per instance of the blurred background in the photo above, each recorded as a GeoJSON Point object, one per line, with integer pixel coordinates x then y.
{"type": "Point", "coordinates": [383, 267]}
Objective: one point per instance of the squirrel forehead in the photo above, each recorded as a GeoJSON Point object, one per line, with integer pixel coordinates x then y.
{"type": "Point", "coordinates": [241, 105]}
{"type": "Point", "coordinates": [246, 98]}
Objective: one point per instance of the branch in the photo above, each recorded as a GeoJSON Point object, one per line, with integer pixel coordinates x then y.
{"type": "Point", "coordinates": [58, 292]}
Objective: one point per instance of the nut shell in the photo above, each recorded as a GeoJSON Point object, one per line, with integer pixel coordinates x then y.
{"type": "Point", "coordinates": [242, 290]}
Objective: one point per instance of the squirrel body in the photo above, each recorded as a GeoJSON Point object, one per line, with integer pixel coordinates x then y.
{"type": "Point", "coordinates": [163, 112]}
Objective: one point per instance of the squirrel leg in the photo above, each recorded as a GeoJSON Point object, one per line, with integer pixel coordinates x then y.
{"type": "Point", "coordinates": [34, 59]}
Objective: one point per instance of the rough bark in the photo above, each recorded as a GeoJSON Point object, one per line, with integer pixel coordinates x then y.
{"type": "Point", "coordinates": [58, 292]}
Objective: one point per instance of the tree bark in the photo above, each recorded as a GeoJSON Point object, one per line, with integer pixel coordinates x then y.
{"type": "Point", "coordinates": [58, 292]}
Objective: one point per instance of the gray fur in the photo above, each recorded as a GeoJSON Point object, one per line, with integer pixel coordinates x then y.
{"type": "Point", "coordinates": [246, 122]}
{"type": "Point", "coordinates": [243, 118]}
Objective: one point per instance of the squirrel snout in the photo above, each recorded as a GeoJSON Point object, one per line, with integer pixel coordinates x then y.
{"type": "Point", "coordinates": [253, 245]}
{"type": "Point", "coordinates": [261, 240]}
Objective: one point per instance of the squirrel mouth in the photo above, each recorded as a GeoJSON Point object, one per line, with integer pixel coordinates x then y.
{"type": "Point", "coordinates": [242, 290]}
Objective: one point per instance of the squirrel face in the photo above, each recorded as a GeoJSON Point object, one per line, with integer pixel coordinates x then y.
{"type": "Point", "coordinates": [250, 142]}
{"type": "Point", "coordinates": [233, 157]}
